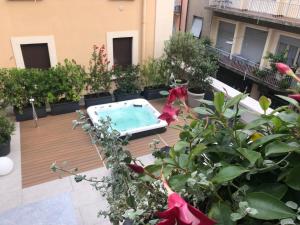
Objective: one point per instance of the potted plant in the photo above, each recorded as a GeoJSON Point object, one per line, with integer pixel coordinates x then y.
{"type": "Point", "coordinates": [179, 53]}
{"type": "Point", "coordinates": [204, 66]}
{"type": "Point", "coordinates": [127, 82]}
{"type": "Point", "coordinates": [99, 79]}
{"type": "Point", "coordinates": [6, 129]}
{"type": "Point", "coordinates": [154, 78]}
{"type": "Point", "coordinates": [21, 85]}
{"type": "Point", "coordinates": [66, 82]}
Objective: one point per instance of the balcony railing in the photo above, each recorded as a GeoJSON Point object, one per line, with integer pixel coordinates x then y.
{"type": "Point", "coordinates": [274, 8]}
{"type": "Point", "coordinates": [252, 70]}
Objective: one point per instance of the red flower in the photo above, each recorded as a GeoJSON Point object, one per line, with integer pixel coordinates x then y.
{"type": "Point", "coordinates": [181, 213]}
{"type": "Point", "coordinates": [136, 168]}
{"type": "Point", "coordinates": [295, 96]}
{"type": "Point", "coordinates": [177, 93]}
{"type": "Point", "coordinates": [169, 114]}
{"type": "Point", "coordinates": [285, 69]}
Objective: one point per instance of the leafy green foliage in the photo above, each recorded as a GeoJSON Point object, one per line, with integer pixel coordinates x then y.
{"type": "Point", "coordinates": [187, 58]}
{"type": "Point", "coordinates": [7, 127]}
{"type": "Point", "coordinates": [18, 86]}
{"type": "Point", "coordinates": [153, 73]}
{"type": "Point", "coordinates": [127, 79]}
{"type": "Point", "coordinates": [65, 82]}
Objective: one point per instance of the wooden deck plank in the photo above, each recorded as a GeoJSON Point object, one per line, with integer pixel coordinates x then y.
{"type": "Point", "coordinates": [55, 140]}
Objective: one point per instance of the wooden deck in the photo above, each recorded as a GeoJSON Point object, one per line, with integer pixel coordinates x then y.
{"type": "Point", "coordinates": [55, 140]}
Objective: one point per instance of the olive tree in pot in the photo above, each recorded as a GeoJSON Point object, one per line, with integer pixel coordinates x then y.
{"type": "Point", "coordinates": [99, 79]}
{"type": "Point", "coordinates": [203, 66]}
{"type": "Point", "coordinates": [66, 82]}
{"type": "Point", "coordinates": [179, 53]}
{"type": "Point", "coordinates": [154, 78]}
{"type": "Point", "coordinates": [127, 82]}
{"type": "Point", "coordinates": [6, 129]}
{"type": "Point", "coordinates": [19, 86]}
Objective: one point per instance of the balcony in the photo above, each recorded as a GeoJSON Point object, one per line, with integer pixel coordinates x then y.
{"type": "Point", "coordinates": [252, 71]}
{"type": "Point", "coordinates": [284, 13]}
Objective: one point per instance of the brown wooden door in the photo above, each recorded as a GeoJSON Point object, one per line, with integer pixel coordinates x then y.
{"type": "Point", "coordinates": [36, 56]}
{"type": "Point", "coordinates": [122, 49]}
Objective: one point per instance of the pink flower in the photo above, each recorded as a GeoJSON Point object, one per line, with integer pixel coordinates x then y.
{"type": "Point", "coordinates": [136, 168]}
{"type": "Point", "coordinates": [295, 96]}
{"type": "Point", "coordinates": [169, 114]}
{"type": "Point", "coordinates": [285, 69]}
{"type": "Point", "coordinates": [181, 213]}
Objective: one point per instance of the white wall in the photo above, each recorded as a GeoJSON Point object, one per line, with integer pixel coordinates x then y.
{"type": "Point", "coordinates": [163, 24]}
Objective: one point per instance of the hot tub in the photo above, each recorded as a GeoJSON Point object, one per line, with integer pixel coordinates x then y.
{"type": "Point", "coordinates": [133, 117]}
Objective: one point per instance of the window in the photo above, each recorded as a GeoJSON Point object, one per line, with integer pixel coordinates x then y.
{"type": "Point", "coordinates": [196, 28]}
{"type": "Point", "coordinates": [122, 50]}
{"type": "Point", "coordinates": [292, 48]}
{"type": "Point", "coordinates": [36, 55]}
{"type": "Point", "coordinates": [225, 36]}
{"type": "Point", "coordinates": [254, 44]}
{"type": "Point", "coordinates": [34, 51]}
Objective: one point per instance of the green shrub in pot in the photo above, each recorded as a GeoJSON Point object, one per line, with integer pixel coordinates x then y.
{"type": "Point", "coordinates": [154, 77]}
{"type": "Point", "coordinates": [19, 86]}
{"type": "Point", "coordinates": [127, 82]}
{"type": "Point", "coordinates": [65, 84]}
{"type": "Point", "coordinates": [7, 127]}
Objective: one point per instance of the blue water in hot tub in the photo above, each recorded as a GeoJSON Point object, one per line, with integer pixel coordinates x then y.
{"type": "Point", "coordinates": [129, 117]}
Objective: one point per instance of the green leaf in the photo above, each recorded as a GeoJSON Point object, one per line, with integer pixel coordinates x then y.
{"type": "Point", "coordinates": [264, 140]}
{"type": "Point", "coordinates": [264, 103]}
{"type": "Point", "coordinates": [235, 100]}
{"type": "Point", "coordinates": [268, 207]}
{"type": "Point", "coordinates": [292, 179]}
{"type": "Point", "coordinates": [221, 212]}
{"type": "Point", "coordinates": [228, 173]}
{"type": "Point", "coordinates": [289, 100]}
{"type": "Point", "coordinates": [251, 156]}
{"type": "Point", "coordinates": [181, 146]}
{"type": "Point", "coordinates": [278, 147]}
{"type": "Point", "coordinates": [183, 160]}
{"type": "Point", "coordinates": [177, 182]}
{"type": "Point", "coordinates": [185, 135]}
{"type": "Point", "coordinates": [256, 123]}
{"type": "Point", "coordinates": [197, 150]}
{"type": "Point", "coordinates": [277, 190]}
{"type": "Point", "coordinates": [289, 117]}
{"type": "Point", "coordinates": [203, 111]}
{"type": "Point", "coordinates": [219, 99]}
{"type": "Point", "coordinates": [206, 102]}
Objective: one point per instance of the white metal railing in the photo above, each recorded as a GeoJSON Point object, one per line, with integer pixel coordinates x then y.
{"type": "Point", "coordinates": [274, 8]}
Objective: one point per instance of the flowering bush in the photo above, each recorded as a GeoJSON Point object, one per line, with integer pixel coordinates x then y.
{"type": "Point", "coordinates": [99, 79]}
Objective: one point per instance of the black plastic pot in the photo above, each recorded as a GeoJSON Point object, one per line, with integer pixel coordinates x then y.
{"type": "Point", "coordinates": [5, 148]}
{"type": "Point", "coordinates": [97, 99]}
{"type": "Point", "coordinates": [153, 92]}
{"type": "Point", "coordinates": [26, 113]}
{"type": "Point", "coordinates": [121, 96]}
{"type": "Point", "coordinates": [64, 107]}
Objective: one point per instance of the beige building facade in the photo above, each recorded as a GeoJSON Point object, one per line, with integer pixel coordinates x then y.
{"type": "Point", "coordinates": [69, 28]}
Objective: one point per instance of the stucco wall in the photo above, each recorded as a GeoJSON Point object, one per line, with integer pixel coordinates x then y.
{"type": "Point", "coordinates": [197, 8]}
{"type": "Point", "coordinates": [75, 24]}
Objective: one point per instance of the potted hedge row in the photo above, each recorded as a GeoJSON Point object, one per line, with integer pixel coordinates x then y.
{"type": "Point", "coordinates": [65, 84]}
{"type": "Point", "coordinates": [6, 129]}
{"type": "Point", "coordinates": [154, 78]}
{"type": "Point", "coordinates": [127, 82]}
{"type": "Point", "coordinates": [19, 86]}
